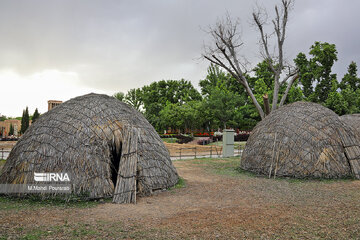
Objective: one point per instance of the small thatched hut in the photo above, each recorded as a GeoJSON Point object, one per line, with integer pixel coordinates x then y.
{"type": "Point", "coordinates": [302, 140]}
{"type": "Point", "coordinates": [107, 147]}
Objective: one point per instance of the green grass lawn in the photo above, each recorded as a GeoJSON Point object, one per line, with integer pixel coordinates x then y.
{"type": "Point", "coordinates": [33, 202]}
{"type": "Point", "coordinates": [221, 166]}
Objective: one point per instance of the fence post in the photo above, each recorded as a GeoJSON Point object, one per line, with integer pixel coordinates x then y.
{"type": "Point", "coordinates": [211, 151]}
{"type": "Point", "coordinates": [2, 153]}
{"type": "Point", "coordinates": [195, 152]}
{"type": "Point", "coordinates": [180, 153]}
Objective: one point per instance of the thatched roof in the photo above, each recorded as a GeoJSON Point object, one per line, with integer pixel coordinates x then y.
{"type": "Point", "coordinates": [302, 140]}
{"type": "Point", "coordinates": [352, 120]}
{"type": "Point", "coordinates": [108, 148]}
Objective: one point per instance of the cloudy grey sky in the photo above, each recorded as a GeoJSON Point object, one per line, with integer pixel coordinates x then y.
{"type": "Point", "coordinates": [60, 49]}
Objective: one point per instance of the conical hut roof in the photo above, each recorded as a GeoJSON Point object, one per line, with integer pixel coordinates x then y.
{"type": "Point", "coordinates": [302, 140]}
{"type": "Point", "coordinates": [107, 147]}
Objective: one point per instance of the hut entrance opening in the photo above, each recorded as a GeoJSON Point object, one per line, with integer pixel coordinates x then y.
{"type": "Point", "coordinates": [115, 162]}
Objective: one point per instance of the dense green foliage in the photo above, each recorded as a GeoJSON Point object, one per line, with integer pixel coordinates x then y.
{"type": "Point", "coordinates": [226, 103]}
{"type": "Point", "coordinates": [132, 98]}
{"type": "Point", "coordinates": [320, 85]}
{"type": "Point", "coordinates": [25, 121]}
{"type": "Point", "coordinates": [223, 102]}
{"type": "Point", "coordinates": [120, 96]}
{"type": "Point", "coordinates": [316, 71]}
{"type": "Point", "coordinates": [35, 116]}
{"type": "Point", "coordinates": [167, 95]}
{"type": "Point", "coordinates": [11, 131]}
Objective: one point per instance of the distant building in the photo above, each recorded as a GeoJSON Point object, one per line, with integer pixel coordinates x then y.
{"type": "Point", "coordinates": [5, 127]}
{"type": "Point", "coordinates": [53, 103]}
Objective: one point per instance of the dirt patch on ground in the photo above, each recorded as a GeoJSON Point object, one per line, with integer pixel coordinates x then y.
{"type": "Point", "coordinates": [212, 205]}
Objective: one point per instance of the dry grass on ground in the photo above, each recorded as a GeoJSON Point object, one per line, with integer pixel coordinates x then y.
{"type": "Point", "coordinates": [218, 202]}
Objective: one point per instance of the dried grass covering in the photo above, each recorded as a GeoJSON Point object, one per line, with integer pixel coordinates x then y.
{"type": "Point", "coordinates": [84, 137]}
{"type": "Point", "coordinates": [352, 120]}
{"type": "Point", "coordinates": [303, 140]}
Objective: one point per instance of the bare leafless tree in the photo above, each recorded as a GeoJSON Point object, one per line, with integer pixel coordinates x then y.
{"type": "Point", "coordinates": [226, 51]}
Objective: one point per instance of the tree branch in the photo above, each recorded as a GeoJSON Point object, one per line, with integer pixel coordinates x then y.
{"type": "Point", "coordinates": [264, 41]}
{"type": "Point", "coordinates": [224, 52]}
{"type": "Point", "coordinates": [288, 89]}
{"type": "Point", "coordinates": [289, 76]}
{"type": "Point", "coordinates": [221, 64]}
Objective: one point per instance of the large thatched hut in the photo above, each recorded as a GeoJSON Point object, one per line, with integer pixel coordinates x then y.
{"type": "Point", "coordinates": [107, 147]}
{"type": "Point", "coordinates": [302, 140]}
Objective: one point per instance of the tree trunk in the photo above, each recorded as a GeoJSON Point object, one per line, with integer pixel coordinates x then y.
{"type": "Point", "coordinates": [276, 92]}
{"type": "Point", "coordinates": [253, 99]}
{"type": "Point", "coordinates": [266, 104]}
{"type": "Point", "coordinates": [287, 90]}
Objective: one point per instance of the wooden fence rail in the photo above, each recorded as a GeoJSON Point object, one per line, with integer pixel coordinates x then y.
{"type": "Point", "coordinates": [4, 153]}
{"type": "Point", "coordinates": [198, 152]}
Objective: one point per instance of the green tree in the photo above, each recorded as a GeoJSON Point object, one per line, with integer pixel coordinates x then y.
{"type": "Point", "coordinates": [35, 116]}
{"type": "Point", "coordinates": [263, 83]}
{"type": "Point", "coordinates": [25, 121]}
{"type": "Point", "coordinates": [11, 131]}
{"type": "Point", "coordinates": [133, 98]}
{"type": "Point", "coordinates": [335, 100]}
{"type": "Point", "coordinates": [225, 52]}
{"type": "Point", "coordinates": [350, 78]}
{"type": "Point", "coordinates": [350, 89]}
{"type": "Point", "coordinates": [183, 117]}
{"type": "Point", "coordinates": [351, 97]}
{"type": "Point", "coordinates": [191, 114]}
{"type": "Point", "coordinates": [119, 96]}
{"type": "Point", "coordinates": [221, 107]}
{"type": "Point", "coordinates": [316, 71]}
{"type": "Point", "coordinates": [226, 102]}
{"type": "Point", "coordinates": [305, 74]}
{"type": "Point", "coordinates": [295, 94]}
{"type": "Point", "coordinates": [157, 95]}
{"type": "Point", "coordinates": [169, 117]}
{"type": "Point", "coordinates": [216, 77]}
{"type": "Point", "coordinates": [325, 55]}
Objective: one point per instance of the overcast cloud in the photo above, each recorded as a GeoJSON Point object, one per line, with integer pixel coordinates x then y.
{"type": "Point", "coordinates": [60, 49]}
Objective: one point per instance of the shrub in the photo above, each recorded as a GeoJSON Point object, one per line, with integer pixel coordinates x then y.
{"type": "Point", "coordinates": [204, 141]}
{"type": "Point", "coordinates": [242, 136]}
{"type": "Point", "coordinates": [182, 138]}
